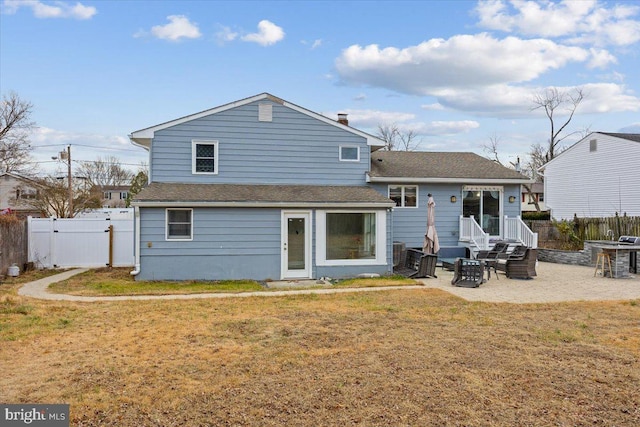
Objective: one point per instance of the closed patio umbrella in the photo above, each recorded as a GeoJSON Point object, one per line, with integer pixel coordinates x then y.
{"type": "Point", "coordinates": [431, 245]}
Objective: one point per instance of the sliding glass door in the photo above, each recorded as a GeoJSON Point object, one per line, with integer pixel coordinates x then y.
{"type": "Point", "coordinates": [484, 204]}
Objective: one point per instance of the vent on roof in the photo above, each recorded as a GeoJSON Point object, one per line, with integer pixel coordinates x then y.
{"type": "Point", "coordinates": [593, 145]}
{"type": "Point", "coordinates": [265, 112]}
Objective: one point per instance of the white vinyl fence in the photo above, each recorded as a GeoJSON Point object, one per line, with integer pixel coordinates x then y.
{"type": "Point", "coordinates": [80, 242]}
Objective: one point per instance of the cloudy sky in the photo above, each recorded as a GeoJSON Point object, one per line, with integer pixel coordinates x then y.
{"type": "Point", "coordinates": [457, 73]}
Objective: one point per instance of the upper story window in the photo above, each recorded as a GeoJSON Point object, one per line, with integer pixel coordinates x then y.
{"type": "Point", "coordinates": [26, 193]}
{"type": "Point", "coordinates": [123, 195]}
{"type": "Point", "coordinates": [179, 224]}
{"type": "Point", "coordinates": [349, 153]}
{"type": "Point", "coordinates": [106, 195]}
{"type": "Point", "coordinates": [204, 157]}
{"type": "Point", "coordinates": [405, 196]}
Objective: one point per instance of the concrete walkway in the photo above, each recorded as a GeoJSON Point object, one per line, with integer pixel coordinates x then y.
{"type": "Point", "coordinates": [554, 283]}
{"type": "Point", "coordinates": [38, 289]}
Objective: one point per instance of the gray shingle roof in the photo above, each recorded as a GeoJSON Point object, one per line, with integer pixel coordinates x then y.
{"type": "Point", "coordinates": [170, 193]}
{"type": "Point", "coordinates": [630, 136]}
{"type": "Point", "coordinates": [427, 164]}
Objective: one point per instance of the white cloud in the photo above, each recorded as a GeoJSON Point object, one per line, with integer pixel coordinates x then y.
{"type": "Point", "coordinates": [460, 61]}
{"type": "Point", "coordinates": [632, 128]}
{"type": "Point", "coordinates": [608, 98]}
{"type": "Point", "coordinates": [432, 107]}
{"type": "Point", "coordinates": [586, 21]}
{"type": "Point", "coordinates": [179, 27]}
{"type": "Point", "coordinates": [446, 127]}
{"type": "Point", "coordinates": [372, 118]}
{"type": "Point", "coordinates": [516, 101]}
{"type": "Point", "coordinates": [268, 34]}
{"type": "Point", "coordinates": [600, 58]}
{"type": "Point", "coordinates": [57, 9]}
{"type": "Point", "coordinates": [48, 142]}
{"type": "Point", "coordinates": [225, 35]}
{"type": "Point", "coordinates": [316, 44]}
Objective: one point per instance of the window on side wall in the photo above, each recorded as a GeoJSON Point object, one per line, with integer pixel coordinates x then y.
{"type": "Point", "coordinates": [405, 196]}
{"type": "Point", "coordinates": [204, 157]}
{"type": "Point", "coordinates": [349, 153]}
{"type": "Point", "coordinates": [179, 224]}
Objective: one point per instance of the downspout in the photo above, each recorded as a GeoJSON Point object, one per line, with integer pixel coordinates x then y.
{"type": "Point", "coordinates": [136, 244]}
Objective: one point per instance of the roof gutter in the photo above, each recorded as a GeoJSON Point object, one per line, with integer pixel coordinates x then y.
{"type": "Point", "coordinates": [279, 205]}
{"type": "Point", "coordinates": [406, 180]}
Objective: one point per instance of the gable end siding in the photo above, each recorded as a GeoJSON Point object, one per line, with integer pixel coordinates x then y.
{"type": "Point", "coordinates": [292, 149]}
{"type": "Point", "coordinates": [594, 183]}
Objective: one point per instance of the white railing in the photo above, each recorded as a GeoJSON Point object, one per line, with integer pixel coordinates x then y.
{"type": "Point", "coordinates": [516, 229]}
{"type": "Point", "coordinates": [471, 232]}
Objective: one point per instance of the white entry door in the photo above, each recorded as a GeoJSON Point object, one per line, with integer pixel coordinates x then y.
{"type": "Point", "coordinates": [296, 245]}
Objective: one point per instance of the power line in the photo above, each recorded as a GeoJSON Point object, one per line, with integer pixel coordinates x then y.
{"type": "Point", "coordinates": [87, 146]}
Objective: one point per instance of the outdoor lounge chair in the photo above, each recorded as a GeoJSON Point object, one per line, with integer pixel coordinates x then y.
{"type": "Point", "coordinates": [519, 264]}
{"type": "Point", "coordinates": [416, 264]}
{"type": "Point", "coordinates": [468, 273]}
{"type": "Point", "coordinates": [491, 254]}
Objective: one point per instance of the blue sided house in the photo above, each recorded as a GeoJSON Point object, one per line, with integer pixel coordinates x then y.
{"type": "Point", "coordinates": [264, 189]}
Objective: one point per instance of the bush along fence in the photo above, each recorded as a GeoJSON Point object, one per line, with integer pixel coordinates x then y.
{"type": "Point", "coordinates": [13, 243]}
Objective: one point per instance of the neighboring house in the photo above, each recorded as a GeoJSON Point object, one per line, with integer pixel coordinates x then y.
{"type": "Point", "coordinates": [596, 177]}
{"type": "Point", "coordinates": [264, 189]}
{"type": "Point", "coordinates": [17, 193]}
{"type": "Point", "coordinates": [529, 199]}
{"type": "Point", "coordinates": [114, 196]}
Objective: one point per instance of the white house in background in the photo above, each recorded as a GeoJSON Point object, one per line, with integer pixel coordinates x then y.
{"type": "Point", "coordinates": [598, 176]}
{"type": "Point", "coordinates": [17, 193]}
{"type": "Point", "coordinates": [528, 199]}
{"type": "Point", "coordinates": [114, 196]}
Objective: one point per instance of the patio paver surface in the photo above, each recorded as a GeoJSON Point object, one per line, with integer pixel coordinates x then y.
{"type": "Point", "coordinates": [554, 283]}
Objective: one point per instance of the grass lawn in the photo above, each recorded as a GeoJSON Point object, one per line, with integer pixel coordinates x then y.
{"type": "Point", "coordinates": [390, 358]}
{"type": "Point", "coordinates": [118, 281]}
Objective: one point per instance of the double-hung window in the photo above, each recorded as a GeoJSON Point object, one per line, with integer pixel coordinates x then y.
{"type": "Point", "coordinates": [405, 196]}
{"type": "Point", "coordinates": [204, 157]}
{"type": "Point", "coordinates": [349, 153]}
{"type": "Point", "coordinates": [179, 224]}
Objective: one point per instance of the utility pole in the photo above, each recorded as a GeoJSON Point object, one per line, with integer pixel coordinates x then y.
{"type": "Point", "coordinates": [69, 181]}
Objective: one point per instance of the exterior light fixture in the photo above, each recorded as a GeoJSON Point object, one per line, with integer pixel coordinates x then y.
{"type": "Point", "coordinates": [512, 199]}
{"type": "Point", "coordinates": [453, 199]}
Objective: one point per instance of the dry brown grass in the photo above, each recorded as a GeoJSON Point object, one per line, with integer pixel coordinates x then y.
{"type": "Point", "coordinates": [411, 357]}
{"type": "Point", "coordinates": [118, 281]}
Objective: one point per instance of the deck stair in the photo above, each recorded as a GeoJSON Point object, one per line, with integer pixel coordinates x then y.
{"type": "Point", "coordinates": [514, 229]}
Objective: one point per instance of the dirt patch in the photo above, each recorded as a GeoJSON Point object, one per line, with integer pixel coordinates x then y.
{"type": "Point", "coordinates": [411, 357]}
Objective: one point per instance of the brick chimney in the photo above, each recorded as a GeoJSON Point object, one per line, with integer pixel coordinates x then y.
{"type": "Point", "coordinates": [342, 118]}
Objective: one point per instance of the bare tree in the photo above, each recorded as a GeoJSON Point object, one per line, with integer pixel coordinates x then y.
{"type": "Point", "coordinates": [105, 171]}
{"type": "Point", "coordinates": [491, 148]}
{"type": "Point", "coordinates": [53, 198]}
{"type": "Point", "coordinates": [492, 151]}
{"type": "Point", "coordinates": [15, 125]}
{"type": "Point", "coordinates": [555, 102]}
{"type": "Point", "coordinates": [395, 139]}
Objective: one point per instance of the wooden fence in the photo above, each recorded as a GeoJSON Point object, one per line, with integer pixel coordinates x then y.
{"type": "Point", "coordinates": [609, 228]}
{"type": "Point", "coordinates": [606, 228]}
{"type": "Point", "coordinates": [13, 243]}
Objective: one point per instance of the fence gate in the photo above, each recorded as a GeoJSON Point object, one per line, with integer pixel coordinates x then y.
{"type": "Point", "coordinates": [79, 242]}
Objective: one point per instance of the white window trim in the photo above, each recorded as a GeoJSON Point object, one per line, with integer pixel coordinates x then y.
{"type": "Point", "coordinates": [402, 206]}
{"type": "Point", "coordinates": [357, 159]}
{"type": "Point", "coordinates": [196, 142]}
{"type": "Point", "coordinates": [166, 226]}
{"type": "Point", "coordinates": [321, 240]}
